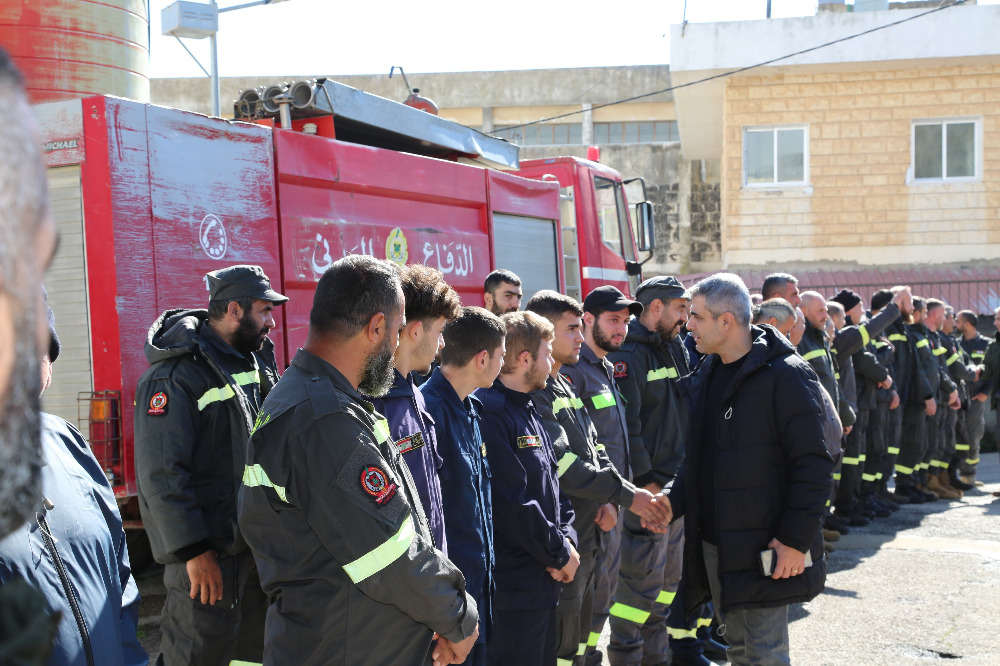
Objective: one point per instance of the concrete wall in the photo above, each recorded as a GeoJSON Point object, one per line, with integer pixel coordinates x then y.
{"type": "Point", "coordinates": [860, 205]}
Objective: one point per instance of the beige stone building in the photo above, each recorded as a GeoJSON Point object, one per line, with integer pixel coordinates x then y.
{"type": "Point", "coordinates": [878, 151]}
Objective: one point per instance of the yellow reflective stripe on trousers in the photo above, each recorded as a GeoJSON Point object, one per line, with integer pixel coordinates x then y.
{"type": "Point", "coordinates": [628, 613]}
{"type": "Point", "coordinates": [961, 447]}
{"type": "Point", "coordinates": [951, 359]}
{"type": "Point", "coordinates": [593, 639]}
{"type": "Point", "coordinates": [566, 462]}
{"type": "Point", "coordinates": [815, 353]}
{"type": "Point", "coordinates": [215, 395]}
{"type": "Point", "coordinates": [582, 650]}
{"type": "Point", "coordinates": [851, 461]}
{"type": "Point", "coordinates": [254, 476]}
{"type": "Point", "coordinates": [564, 662]}
{"type": "Point", "coordinates": [865, 338]}
{"type": "Point", "coordinates": [382, 431]}
{"type": "Point", "coordinates": [236, 662]}
{"type": "Point", "coordinates": [868, 477]}
{"type": "Point", "coordinates": [893, 450]}
{"type": "Point", "coordinates": [972, 461]}
{"type": "Point", "coordinates": [704, 622]}
{"type": "Point", "coordinates": [679, 634]}
{"type": "Point", "coordinates": [665, 597]}
{"type": "Point", "coordinates": [923, 343]}
{"type": "Point", "coordinates": [661, 373]}
{"type": "Point", "coordinates": [903, 469]}
{"type": "Point", "coordinates": [603, 400]}
{"type": "Point", "coordinates": [836, 476]}
{"type": "Point", "coordinates": [897, 337]}
{"type": "Point", "coordinates": [385, 554]}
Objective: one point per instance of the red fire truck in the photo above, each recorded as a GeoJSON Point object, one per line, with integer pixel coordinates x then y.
{"type": "Point", "coordinates": [149, 199]}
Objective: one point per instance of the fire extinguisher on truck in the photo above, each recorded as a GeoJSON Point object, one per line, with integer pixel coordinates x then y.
{"type": "Point", "coordinates": [149, 199]}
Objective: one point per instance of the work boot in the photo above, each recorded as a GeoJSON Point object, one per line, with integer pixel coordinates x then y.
{"type": "Point", "coordinates": [835, 523]}
{"type": "Point", "coordinates": [830, 535]}
{"type": "Point", "coordinates": [931, 484]}
{"type": "Point", "coordinates": [874, 507]}
{"type": "Point", "coordinates": [952, 478]}
{"type": "Point", "coordinates": [971, 480]}
{"type": "Point", "coordinates": [925, 495]}
{"type": "Point", "coordinates": [895, 497]}
{"type": "Point", "coordinates": [938, 483]}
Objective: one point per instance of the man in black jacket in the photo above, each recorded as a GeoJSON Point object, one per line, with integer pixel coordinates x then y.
{"type": "Point", "coordinates": [756, 476]}
{"type": "Point", "coordinates": [210, 371]}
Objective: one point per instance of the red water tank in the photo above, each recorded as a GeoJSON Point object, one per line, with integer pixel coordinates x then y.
{"type": "Point", "coordinates": [76, 48]}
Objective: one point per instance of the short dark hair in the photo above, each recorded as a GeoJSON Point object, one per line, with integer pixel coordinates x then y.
{"type": "Point", "coordinates": [934, 304]}
{"type": "Point", "coordinates": [474, 330]}
{"type": "Point", "coordinates": [774, 283]}
{"type": "Point", "coordinates": [217, 309]}
{"type": "Point", "coordinates": [552, 305]}
{"type": "Point", "coordinates": [525, 332]}
{"type": "Point", "coordinates": [881, 298]}
{"type": "Point", "coordinates": [498, 277]}
{"type": "Point", "coordinates": [969, 316]}
{"type": "Point", "coordinates": [919, 303]}
{"type": "Point", "coordinates": [427, 295]}
{"type": "Point", "coordinates": [350, 293]}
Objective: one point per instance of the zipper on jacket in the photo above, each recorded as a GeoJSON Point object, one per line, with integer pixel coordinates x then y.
{"type": "Point", "coordinates": [67, 585]}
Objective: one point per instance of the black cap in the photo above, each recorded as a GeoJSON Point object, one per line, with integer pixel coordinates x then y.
{"type": "Point", "coordinates": [242, 282]}
{"type": "Point", "coordinates": [847, 298]}
{"type": "Point", "coordinates": [663, 287]}
{"type": "Point", "coordinates": [608, 298]}
{"type": "Point", "coordinates": [50, 316]}
{"type": "Point", "coordinates": [880, 299]}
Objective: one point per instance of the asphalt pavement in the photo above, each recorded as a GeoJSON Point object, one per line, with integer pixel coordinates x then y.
{"type": "Point", "coordinates": [918, 587]}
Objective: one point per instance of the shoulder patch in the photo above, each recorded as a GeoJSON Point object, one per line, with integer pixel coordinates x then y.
{"type": "Point", "coordinates": [407, 444]}
{"type": "Point", "coordinates": [157, 404]}
{"type": "Point", "coordinates": [375, 482]}
{"type": "Point", "coordinates": [621, 370]}
{"type": "Point", "coordinates": [529, 441]}
{"type": "Point", "coordinates": [567, 378]}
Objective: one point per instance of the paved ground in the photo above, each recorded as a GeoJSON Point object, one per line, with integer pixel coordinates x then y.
{"type": "Point", "coordinates": [921, 586]}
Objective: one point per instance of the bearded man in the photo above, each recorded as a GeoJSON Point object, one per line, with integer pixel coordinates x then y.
{"type": "Point", "coordinates": [210, 371]}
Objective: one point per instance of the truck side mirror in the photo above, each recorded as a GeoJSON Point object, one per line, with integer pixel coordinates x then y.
{"type": "Point", "coordinates": [645, 236]}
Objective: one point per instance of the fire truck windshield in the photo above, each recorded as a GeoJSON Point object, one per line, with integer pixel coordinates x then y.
{"type": "Point", "coordinates": [612, 215]}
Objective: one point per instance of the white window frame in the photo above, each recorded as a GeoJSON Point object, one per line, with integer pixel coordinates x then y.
{"type": "Point", "coordinates": [776, 184]}
{"type": "Point", "coordinates": [977, 159]}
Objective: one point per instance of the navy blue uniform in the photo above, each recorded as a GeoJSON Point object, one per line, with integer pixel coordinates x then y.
{"type": "Point", "coordinates": [412, 430]}
{"type": "Point", "coordinates": [532, 528]}
{"type": "Point", "coordinates": [465, 488]}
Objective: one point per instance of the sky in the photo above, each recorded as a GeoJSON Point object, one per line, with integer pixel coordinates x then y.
{"type": "Point", "coordinates": [330, 37]}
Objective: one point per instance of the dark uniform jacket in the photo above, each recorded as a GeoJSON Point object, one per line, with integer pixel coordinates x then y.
{"type": "Point", "coordinates": [868, 370]}
{"type": "Point", "coordinates": [465, 489]}
{"type": "Point", "coordinates": [907, 373]}
{"type": "Point", "coordinates": [585, 473]}
{"type": "Point", "coordinates": [90, 540]}
{"type": "Point", "coordinates": [647, 369]}
{"type": "Point", "coordinates": [886, 357]}
{"type": "Point", "coordinates": [194, 409]}
{"type": "Point", "coordinates": [976, 349]}
{"type": "Point", "coordinates": [814, 347]}
{"type": "Point", "coordinates": [956, 364]}
{"type": "Point", "coordinates": [331, 514]}
{"type": "Point", "coordinates": [412, 429]}
{"type": "Point", "coordinates": [772, 476]}
{"type": "Point", "coordinates": [991, 369]}
{"type": "Point", "coordinates": [930, 352]}
{"type": "Point", "coordinates": [928, 377]}
{"type": "Point", "coordinates": [533, 519]}
{"type": "Point", "coordinates": [593, 380]}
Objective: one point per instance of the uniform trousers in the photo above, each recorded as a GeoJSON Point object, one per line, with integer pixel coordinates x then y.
{"type": "Point", "coordinates": [975, 425]}
{"type": "Point", "coordinates": [912, 445]}
{"type": "Point", "coordinates": [875, 449]}
{"type": "Point", "coordinates": [851, 469]}
{"type": "Point", "coordinates": [606, 568]}
{"type": "Point", "coordinates": [523, 637]}
{"type": "Point", "coordinates": [575, 611]}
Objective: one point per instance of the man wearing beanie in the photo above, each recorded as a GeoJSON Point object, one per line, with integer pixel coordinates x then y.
{"type": "Point", "coordinates": [868, 374]}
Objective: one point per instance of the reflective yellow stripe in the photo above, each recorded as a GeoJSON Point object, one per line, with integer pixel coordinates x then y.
{"type": "Point", "coordinates": [600, 447]}
{"type": "Point", "coordinates": [582, 650]}
{"type": "Point", "coordinates": [249, 377]}
{"type": "Point", "coordinates": [560, 404]}
{"type": "Point", "coordinates": [254, 476]}
{"type": "Point", "coordinates": [939, 351]}
{"type": "Point", "coordinates": [862, 458]}
{"type": "Point", "coordinates": [261, 420]}
{"type": "Point", "coordinates": [939, 463]}
{"type": "Point", "coordinates": [564, 662]}
{"type": "Point", "coordinates": [678, 634]}
{"type": "Point", "coordinates": [972, 461]}
{"type": "Point", "coordinates": [897, 337]}
{"type": "Point", "coordinates": [566, 462]}
{"type": "Point", "coordinates": [244, 663]}
{"type": "Point", "coordinates": [382, 431]}
{"type": "Point", "coordinates": [603, 400]}
{"type": "Point", "coordinates": [893, 450]}
{"type": "Point", "coordinates": [922, 465]}
{"type": "Point", "coordinates": [836, 476]}
{"type": "Point", "coordinates": [834, 351]}
{"type": "Point", "coordinates": [629, 613]}
{"type": "Point", "coordinates": [865, 338]}
{"type": "Point", "coordinates": [961, 447]}
{"type": "Point", "coordinates": [815, 353]}
{"type": "Point", "coordinates": [904, 470]}
{"type": "Point", "coordinates": [665, 597]}
{"type": "Point", "coordinates": [878, 477]}
{"type": "Point", "coordinates": [215, 395]}
{"type": "Point", "coordinates": [828, 503]}
{"type": "Point", "coordinates": [593, 639]}
{"type": "Point", "coordinates": [661, 373]}
{"type": "Point", "coordinates": [836, 375]}
{"type": "Point", "coordinates": [923, 343]}
{"type": "Point", "coordinates": [881, 345]}
{"type": "Point", "coordinates": [977, 354]}
{"type": "Point", "coordinates": [952, 359]}
{"type": "Point", "coordinates": [385, 554]}
{"type": "Point", "coordinates": [851, 461]}
{"type": "Point", "coordinates": [868, 477]}
{"type": "Point", "coordinates": [704, 622]}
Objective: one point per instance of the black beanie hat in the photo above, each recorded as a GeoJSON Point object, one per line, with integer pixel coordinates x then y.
{"type": "Point", "coordinates": [847, 298]}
